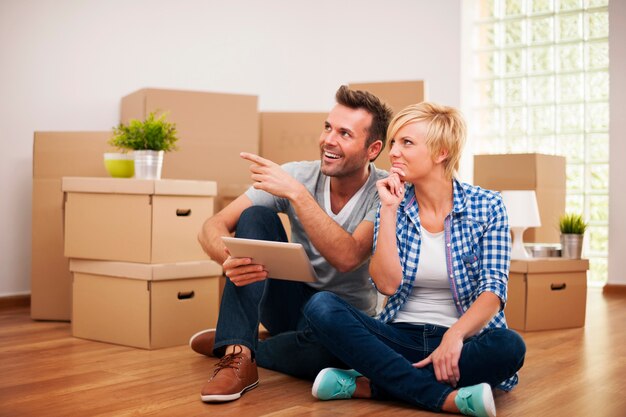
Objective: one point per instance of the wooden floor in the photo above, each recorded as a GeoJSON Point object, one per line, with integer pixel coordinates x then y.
{"type": "Point", "coordinates": [44, 371]}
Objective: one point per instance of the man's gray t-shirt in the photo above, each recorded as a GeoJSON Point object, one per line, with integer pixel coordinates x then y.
{"type": "Point", "coordinates": [355, 286]}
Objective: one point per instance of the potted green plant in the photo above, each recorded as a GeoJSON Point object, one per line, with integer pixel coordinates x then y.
{"type": "Point", "coordinates": [572, 227]}
{"type": "Point", "coordinates": [149, 140]}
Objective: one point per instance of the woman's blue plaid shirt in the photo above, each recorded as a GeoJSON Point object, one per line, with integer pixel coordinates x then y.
{"type": "Point", "coordinates": [478, 249]}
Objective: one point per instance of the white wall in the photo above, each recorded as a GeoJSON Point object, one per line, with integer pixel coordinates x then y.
{"type": "Point", "coordinates": [617, 133]}
{"type": "Point", "coordinates": [65, 64]}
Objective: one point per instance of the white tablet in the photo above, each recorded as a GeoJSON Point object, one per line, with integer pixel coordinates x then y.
{"type": "Point", "coordinates": [282, 260]}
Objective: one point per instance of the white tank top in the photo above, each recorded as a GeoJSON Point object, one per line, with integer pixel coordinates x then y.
{"type": "Point", "coordinates": [430, 301]}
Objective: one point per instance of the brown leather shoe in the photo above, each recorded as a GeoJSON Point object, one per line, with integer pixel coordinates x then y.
{"type": "Point", "coordinates": [203, 342]}
{"type": "Point", "coordinates": [234, 374]}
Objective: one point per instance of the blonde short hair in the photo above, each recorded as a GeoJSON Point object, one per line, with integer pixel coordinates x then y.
{"type": "Point", "coordinates": [446, 130]}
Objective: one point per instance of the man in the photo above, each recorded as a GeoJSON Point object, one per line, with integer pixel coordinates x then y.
{"type": "Point", "coordinates": [331, 206]}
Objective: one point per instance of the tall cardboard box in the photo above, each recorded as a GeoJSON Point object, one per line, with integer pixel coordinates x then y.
{"type": "Point", "coordinates": [543, 173]}
{"type": "Point", "coordinates": [213, 129]}
{"type": "Point", "coordinates": [149, 221]}
{"type": "Point", "coordinates": [56, 154]}
{"type": "Point", "coordinates": [398, 95]}
{"type": "Point", "coordinates": [146, 306]}
{"type": "Point", "coordinates": [547, 293]}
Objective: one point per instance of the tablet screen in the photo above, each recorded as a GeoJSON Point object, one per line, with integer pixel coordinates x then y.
{"type": "Point", "coordinates": [282, 260]}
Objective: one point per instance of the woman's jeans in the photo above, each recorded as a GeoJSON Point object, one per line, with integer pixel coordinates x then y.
{"type": "Point", "coordinates": [384, 353]}
{"type": "Point", "coordinates": [292, 348]}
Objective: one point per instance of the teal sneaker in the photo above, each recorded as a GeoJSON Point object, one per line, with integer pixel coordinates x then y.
{"type": "Point", "coordinates": [335, 384]}
{"type": "Point", "coordinates": [476, 400]}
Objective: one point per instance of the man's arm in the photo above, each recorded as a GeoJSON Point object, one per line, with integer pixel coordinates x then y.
{"type": "Point", "coordinates": [342, 250]}
{"type": "Point", "coordinates": [240, 271]}
{"type": "Point", "coordinates": [221, 224]}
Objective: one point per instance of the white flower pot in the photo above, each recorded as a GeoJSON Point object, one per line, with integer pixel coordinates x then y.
{"type": "Point", "coordinates": [148, 164]}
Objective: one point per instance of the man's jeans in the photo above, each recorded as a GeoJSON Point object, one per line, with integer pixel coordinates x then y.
{"type": "Point", "coordinates": [384, 353]}
{"type": "Point", "coordinates": [292, 348]}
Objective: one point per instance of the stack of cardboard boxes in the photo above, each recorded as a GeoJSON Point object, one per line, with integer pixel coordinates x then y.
{"type": "Point", "coordinates": [140, 276]}
{"type": "Point", "coordinates": [213, 129]}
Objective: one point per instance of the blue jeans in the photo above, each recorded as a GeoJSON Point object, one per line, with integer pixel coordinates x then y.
{"type": "Point", "coordinates": [277, 304]}
{"type": "Point", "coordinates": [384, 353]}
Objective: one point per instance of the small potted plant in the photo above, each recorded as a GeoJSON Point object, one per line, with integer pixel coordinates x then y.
{"type": "Point", "coordinates": [149, 140]}
{"type": "Point", "coordinates": [572, 228]}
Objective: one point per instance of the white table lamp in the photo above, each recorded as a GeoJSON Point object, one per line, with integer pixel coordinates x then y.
{"type": "Point", "coordinates": [521, 207]}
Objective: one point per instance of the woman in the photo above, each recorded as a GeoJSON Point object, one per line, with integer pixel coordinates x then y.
{"type": "Point", "coordinates": [441, 254]}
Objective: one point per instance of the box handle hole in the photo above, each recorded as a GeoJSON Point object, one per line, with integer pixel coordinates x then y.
{"type": "Point", "coordinates": [558, 287]}
{"type": "Point", "coordinates": [183, 212]}
{"type": "Point", "coordinates": [185, 295]}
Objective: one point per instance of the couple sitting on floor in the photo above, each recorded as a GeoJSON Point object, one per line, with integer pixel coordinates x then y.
{"type": "Point", "coordinates": [441, 252]}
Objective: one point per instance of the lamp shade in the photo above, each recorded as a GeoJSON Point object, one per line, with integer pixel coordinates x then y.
{"type": "Point", "coordinates": [521, 207]}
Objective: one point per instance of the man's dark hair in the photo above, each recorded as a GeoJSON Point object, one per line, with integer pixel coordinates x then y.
{"type": "Point", "coordinates": [381, 112]}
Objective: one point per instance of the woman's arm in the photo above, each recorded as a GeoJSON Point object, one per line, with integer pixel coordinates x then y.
{"type": "Point", "coordinates": [385, 267]}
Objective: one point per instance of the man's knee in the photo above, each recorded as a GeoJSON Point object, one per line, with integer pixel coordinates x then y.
{"type": "Point", "coordinates": [254, 215]}
{"type": "Point", "coordinates": [258, 222]}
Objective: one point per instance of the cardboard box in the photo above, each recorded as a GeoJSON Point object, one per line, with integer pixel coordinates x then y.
{"type": "Point", "coordinates": [543, 173]}
{"type": "Point", "coordinates": [149, 221]}
{"type": "Point", "coordinates": [547, 293]}
{"type": "Point", "coordinates": [146, 306]}
{"type": "Point", "coordinates": [398, 95]}
{"type": "Point", "coordinates": [56, 154]}
{"type": "Point", "coordinates": [528, 171]}
{"type": "Point", "coordinates": [287, 137]}
{"type": "Point", "coordinates": [213, 129]}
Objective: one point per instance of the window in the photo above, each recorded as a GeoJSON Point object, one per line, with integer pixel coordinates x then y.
{"type": "Point", "coordinates": [541, 84]}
